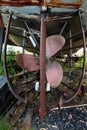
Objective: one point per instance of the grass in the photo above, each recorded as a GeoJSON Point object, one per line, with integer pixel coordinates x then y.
{"type": "Point", "coordinates": [4, 125]}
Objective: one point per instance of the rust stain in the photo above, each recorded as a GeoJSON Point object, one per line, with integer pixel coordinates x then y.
{"type": "Point", "coordinates": [63, 3]}
{"type": "Point", "coordinates": [19, 3]}
{"type": "Point", "coordinates": [1, 21]}
{"type": "Point", "coordinates": [51, 3]}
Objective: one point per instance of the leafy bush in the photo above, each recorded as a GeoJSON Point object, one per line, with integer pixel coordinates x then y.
{"type": "Point", "coordinates": [4, 125]}
{"type": "Point", "coordinates": [10, 62]}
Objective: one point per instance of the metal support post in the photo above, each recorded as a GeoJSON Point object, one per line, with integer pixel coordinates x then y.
{"type": "Point", "coordinates": [43, 105]}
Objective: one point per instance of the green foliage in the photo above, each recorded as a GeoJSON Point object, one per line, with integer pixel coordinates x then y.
{"type": "Point", "coordinates": [1, 68]}
{"type": "Point", "coordinates": [4, 125]}
{"type": "Point", "coordinates": [31, 129]}
{"type": "Point", "coordinates": [10, 62]}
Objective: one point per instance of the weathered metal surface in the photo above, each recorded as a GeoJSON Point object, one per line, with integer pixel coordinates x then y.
{"type": "Point", "coordinates": [43, 105]}
{"type": "Point", "coordinates": [18, 2]}
{"type": "Point", "coordinates": [65, 3]}
{"type": "Point", "coordinates": [54, 73]}
{"type": "Point", "coordinates": [51, 3]}
{"type": "Point", "coordinates": [2, 81]}
{"type": "Point", "coordinates": [4, 62]}
{"type": "Point", "coordinates": [1, 21]}
{"type": "Point", "coordinates": [43, 101]}
{"type": "Point", "coordinates": [54, 44]}
{"type": "Point", "coordinates": [28, 62]}
{"type": "Point", "coordinates": [1, 33]}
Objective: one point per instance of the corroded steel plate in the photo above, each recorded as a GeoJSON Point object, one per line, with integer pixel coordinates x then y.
{"type": "Point", "coordinates": [51, 3]}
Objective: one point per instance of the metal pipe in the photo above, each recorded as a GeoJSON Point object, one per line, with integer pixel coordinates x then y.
{"type": "Point", "coordinates": [62, 30]}
{"type": "Point", "coordinates": [32, 37]}
{"type": "Point", "coordinates": [43, 105]}
{"type": "Point", "coordinates": [70, 55]}
{"type": "Point", "coordinates": [67, 107]}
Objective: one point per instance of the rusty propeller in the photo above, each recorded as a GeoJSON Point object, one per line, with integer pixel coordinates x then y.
{"type": "Point", "coordinates": [28, 62]}
{"type": "Point", "coordinates": [54, 73]}
{"type": "Point", "coordinates": [54, 43]}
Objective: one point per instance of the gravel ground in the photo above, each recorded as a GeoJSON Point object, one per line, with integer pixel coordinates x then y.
{"type": "Point", "coordinates": [64, 119]}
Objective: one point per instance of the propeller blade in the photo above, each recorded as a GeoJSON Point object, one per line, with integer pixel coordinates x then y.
{"type": "Point", "coordinates": [54, 73]}
{"type": "Point", "coordinates": [28, 62]}
{"type": "Point", "coordinates": [54, 43]}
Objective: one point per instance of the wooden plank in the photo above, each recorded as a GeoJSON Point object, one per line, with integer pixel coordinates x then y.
{"type": "Point", "coordinates": [27, 120]}
{"type": "Point", "coordinates": [16, 112]}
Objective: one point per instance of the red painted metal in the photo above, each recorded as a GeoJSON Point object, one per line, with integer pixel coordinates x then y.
{"type": "Point", "coordinates": [28, 62]}
{"type": "Point", "coordinates": [43, 104]}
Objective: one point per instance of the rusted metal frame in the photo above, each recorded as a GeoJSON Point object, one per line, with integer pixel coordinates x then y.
{"type": "Point", "coordinates": [43, 105]}
{"type": "Point", "coordinates": [2, 28]}
{"type": "Point", "coordinates": [83, 69]}
{"type": "Point", "coordinates": [55, 3]}
{"type": "Point", "coordinates": [32, 36]}
{"type": "Point", "coordinates": [75, 37]}
{"type": "Point", "coordinates": [60, 5]}
{"type": "Point", "coordinates": [36, 17]}
{"type": "Point", "coordinates": [63, 0]}
{"type": "Point", "coordinates": [33, 31]}
{"type": "Point", "coordinates": [1, 21]}
{"type": "Point", "coordinates": [20, 15]}
{"type": "Point", "coordinates": [83, 10]}
{"type": "Point", "coordinates": [1, 40]}
{"type": "Point", "coordinates": [52, 3]}
{"type": "Point", "coordinates": [70, 54]}
{"type": "Point", "coordinates": [4, 62]}
{"type": "Point", "coordinates": [84, 49]}
{"type": "Point", "coordinates": [49, 19]}
{"type": "Point", "coordinates": [17, 3]}
{"type": "Point", "coordinates": [23, 44]}
{"type": "Point", "coordinates": [63, 28]}
{"type": "Point", "coordinates": [36, 32]}
{"type": "Point", "coordinates": [73, 106]}
{"type": "Point", "coordinates": [27, 37]}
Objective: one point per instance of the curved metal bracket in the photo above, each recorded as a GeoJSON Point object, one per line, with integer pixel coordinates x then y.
{"type": "Point", "coordinates": [4, 62]}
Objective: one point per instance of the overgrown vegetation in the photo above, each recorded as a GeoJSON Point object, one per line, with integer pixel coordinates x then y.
{"type": "Point", "coordinates": [4, 125]}
{"type": "Point", "coordinates": [10, 62]}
